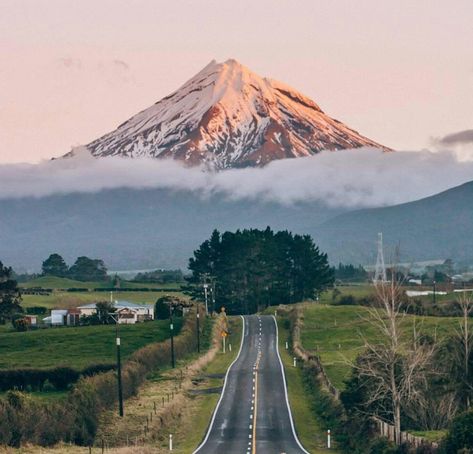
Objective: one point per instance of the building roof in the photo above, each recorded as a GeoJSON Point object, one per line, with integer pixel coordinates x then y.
{"type": "Point", "coordinates": [122, 304]}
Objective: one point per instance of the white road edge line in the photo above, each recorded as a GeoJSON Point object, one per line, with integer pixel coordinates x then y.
{"type": "Point", "coordinates": [223, 391]}
{"type": "Point", "coordinates": [285, 389]}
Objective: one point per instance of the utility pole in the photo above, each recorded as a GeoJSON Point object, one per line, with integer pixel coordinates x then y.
{"type": "Point", "coordinates": [116, 317]}
{"type": "Point", "coordinates": [206, 286]}
{"type": "Point", "coordinates": [433, 294]}
{"type": "Point", "coordinates": [212, 292]}
{"type": "Point", "coordinates": [171, 327]}
{"type": "Point", "coordinates": [198, 328]}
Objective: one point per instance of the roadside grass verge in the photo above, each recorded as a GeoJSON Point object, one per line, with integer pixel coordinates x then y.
{"type": "Point", "coordinates": [190, 432]}
{"type": "Point", "coordinates": [310, 431]}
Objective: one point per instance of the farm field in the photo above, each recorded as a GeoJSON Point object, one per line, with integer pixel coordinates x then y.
{"type": "Point", "coordinates": [78, 347]}
{"type": "Point", "coordinates": [54, 282]}
{"type": "Point", "coordinates": [67, 300]}
{"type": "Point", "coordinates": [337, 334]}
{"type": "Point", "coordinates": [59, 298]}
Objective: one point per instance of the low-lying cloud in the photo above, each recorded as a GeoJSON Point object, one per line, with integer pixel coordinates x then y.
{"type": "Point", "coordinates": [349, 178]}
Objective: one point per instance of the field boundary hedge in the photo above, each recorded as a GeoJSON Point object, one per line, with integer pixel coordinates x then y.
{"type": "Point", "coordinates": [35, 379]}
{"type": "Point", "coordinates": [75, 420]}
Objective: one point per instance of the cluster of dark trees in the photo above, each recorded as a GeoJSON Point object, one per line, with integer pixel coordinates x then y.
{"type": "Point", "coordinates": [248, 270]}
{"type": "Point", "coordinates": [160, 276]}
{"type": "Point", "coordinates": [83, 269]}
{"type": "Point", "coordinates": [350, 273]}
{"type": "Point", "coordinates": [10, 297]}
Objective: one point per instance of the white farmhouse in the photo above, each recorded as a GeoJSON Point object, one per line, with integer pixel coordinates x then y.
{"type": "Point", "coordinates": [128, 313]}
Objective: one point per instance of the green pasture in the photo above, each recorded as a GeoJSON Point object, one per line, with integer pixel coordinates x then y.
{"type": "Point", "coordinates": [338, 334]}
{"type": "Point", "coordinates": [77, 347]}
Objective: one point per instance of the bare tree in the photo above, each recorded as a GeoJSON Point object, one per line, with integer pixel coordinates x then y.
{"type": "Point", "coordinates": [396, 365]}
{"type": "Point", "coordinates": [465, 338]}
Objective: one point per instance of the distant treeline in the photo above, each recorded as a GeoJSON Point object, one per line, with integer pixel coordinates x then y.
{"type": "Point", "coordinates": [160, 276]}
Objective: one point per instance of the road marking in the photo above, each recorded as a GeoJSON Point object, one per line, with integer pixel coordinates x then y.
{"type": "Point", "coordinates": [255, 415]}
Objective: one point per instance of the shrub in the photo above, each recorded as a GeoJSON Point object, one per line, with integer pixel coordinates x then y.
{"type": "Point", "coordinates": [37, 310]}
{"type": "Point", "coordinates": [460, 434]}
{"type": "Point", "coordinates": [346, 300]}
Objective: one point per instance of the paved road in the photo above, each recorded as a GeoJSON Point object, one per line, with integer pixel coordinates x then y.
{"type": "Point", "coordinates": [253, 414]}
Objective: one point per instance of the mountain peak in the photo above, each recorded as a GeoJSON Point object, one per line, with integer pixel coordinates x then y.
{"type": "Point", "coordinates": [228, 116]}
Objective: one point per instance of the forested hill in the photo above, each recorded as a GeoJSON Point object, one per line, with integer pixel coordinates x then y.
{"type": "Point", "coordinates": [437, 227]}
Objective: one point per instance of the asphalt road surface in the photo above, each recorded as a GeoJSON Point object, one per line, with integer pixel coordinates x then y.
{"type": "Point", "coordinates": [253, 414]}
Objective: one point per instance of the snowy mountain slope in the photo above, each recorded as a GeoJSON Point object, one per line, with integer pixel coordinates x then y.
{"type": "Point", "coordinates": [227, 116]}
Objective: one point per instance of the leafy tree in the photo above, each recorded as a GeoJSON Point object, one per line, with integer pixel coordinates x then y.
{"type": "Point", "coordinates": [10, 297]}
{"type": "Point", "coordinates": [86, 269]}
{"type": "Point", "coordinates": [252, 269]}
{"type": "Point", "coordinates": [460, 435]}
{"type": "Point", "coordinates": [101, 316]}
{"type": "Point", "coordinates": [161, 309]}
{"type": "Point", "coordinates": [168, 306]}
{"type": "Point", "coordinates": [54, 265]}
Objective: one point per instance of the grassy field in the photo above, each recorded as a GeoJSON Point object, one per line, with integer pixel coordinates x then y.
{"type": "Point", "coordinates": [54, 282]}
{"type": "Point", "coordinates": [311, 434]}
{"type": "Point", "coordinates": [61, 299]}
{"type": "Point", "coordinates": [77, 347]}
{"type": "Point", "coordinates": [67, 300]}
{"type": "Point", "coordinates": [337, 333]}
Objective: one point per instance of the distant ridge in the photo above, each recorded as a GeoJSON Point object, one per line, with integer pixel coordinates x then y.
{"type": "Point", "coordinates": [436, 227]}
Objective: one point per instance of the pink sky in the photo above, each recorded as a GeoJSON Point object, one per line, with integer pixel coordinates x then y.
{"type": "Point", "coordinates": [399, 72]}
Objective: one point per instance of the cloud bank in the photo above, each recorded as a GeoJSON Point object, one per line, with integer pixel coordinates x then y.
{"type": "Point", "coordinates": [349, 178]}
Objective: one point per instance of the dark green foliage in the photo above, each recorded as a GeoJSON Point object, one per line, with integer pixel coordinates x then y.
{"type": "Point", "coordinates": [455, 378]}
{"type": "Point", "coordinates": [383, 446]}
{"type": "Point", "coordinates": [161, 309]}
{"type": "Point", "coordinates": [252, 269]}
{"type": "Point", "coordinates": [350, 273]}
{"type": "Point", "coordinates": [10, 297]}
{"type": "Point", "coordinates": [86, 269]}
{"type": "Point", "coordinates": [160, 276]}
{"type": "Point", "coordinates": [460, 435]}
{"type": "Point", "coordinates": [55, 265]}
{"type": "Point", "coordinates": [58, 378]}
{"type": "Point", "coordinates": [352, 433]}
{"type": "Point", "coordinates": [37, 310]}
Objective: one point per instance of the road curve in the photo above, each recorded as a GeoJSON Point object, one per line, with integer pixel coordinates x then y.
{"type": "Point", "coordinates": [253, 413]}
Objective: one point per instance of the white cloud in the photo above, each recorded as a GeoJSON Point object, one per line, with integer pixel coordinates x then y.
{"type": "Point", "coordinates": [350, 178]}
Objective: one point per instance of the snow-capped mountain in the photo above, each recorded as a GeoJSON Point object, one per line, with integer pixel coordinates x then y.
{"type": "Point", "coordinates": [228, 116]}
